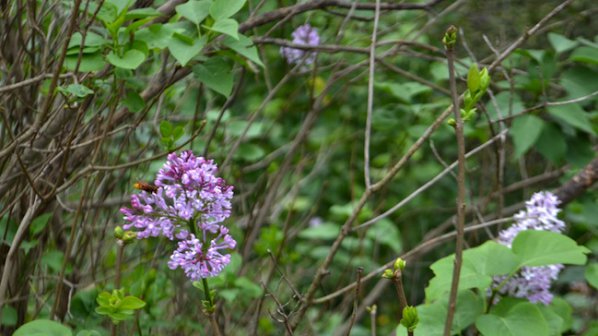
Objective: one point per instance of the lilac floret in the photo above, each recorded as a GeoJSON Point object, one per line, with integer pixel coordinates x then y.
{"type": "Point", "coordinates": [533, 283]}
{"type": "Point", "coordinates": [199, 261]}
{"type": "Point", "coordinates": [306, 35]}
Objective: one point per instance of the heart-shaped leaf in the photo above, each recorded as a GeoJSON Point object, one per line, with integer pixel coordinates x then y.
{"type": "Point", "coordinates": [130, 60]}
{"type": "Point", "coordinates": [541, 248]}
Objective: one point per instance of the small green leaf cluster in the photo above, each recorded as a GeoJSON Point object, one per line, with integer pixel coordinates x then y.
{"type": "Point", "coordinates": [117, 306]}
{"type": "Point", "coordinates": [398, 266]}
{"type": "Point", "coordinates": [450, 37]}
{"type": "Point", "coordinates": [553, 130]}
{"type": "Point", "coordinates": [477, 84]}
{"type": "Point", "coordinates": [410, 318]}
{"type": "Point", "coordinates": [170, 134]}
{"type": "Point", "coordinates": [131, 35]}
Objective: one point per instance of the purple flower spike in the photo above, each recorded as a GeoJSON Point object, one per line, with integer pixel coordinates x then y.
{"type": "Point", "coordinates": [533, 283]}
{"type": "Point", "coordinates": [306, 35]}
{"type": "Point", "coordinates": [187, 193]}
{"type": "Point", "coordinates": [200, 261]}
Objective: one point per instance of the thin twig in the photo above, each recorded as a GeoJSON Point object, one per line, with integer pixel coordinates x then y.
{"type": "Point", "coordinates": [428, 184]}
{"type": "Point", "coordinates": [450, 56]}
{"type": "Point", "coordinates": [370, 102]}
{"type": "Point", "coordinates": [355, 300]}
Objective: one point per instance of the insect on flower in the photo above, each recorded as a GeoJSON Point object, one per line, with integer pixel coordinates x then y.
{"type": "Point", "coordinates": [145, 187]}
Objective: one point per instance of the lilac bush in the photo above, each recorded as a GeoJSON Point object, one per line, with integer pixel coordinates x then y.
{"type": "Point", "coordinates": [188, 203]}
{"type": "Point", "coordinates": [306, 35]}
{"type": "Point", "coordinates": [533, 283]}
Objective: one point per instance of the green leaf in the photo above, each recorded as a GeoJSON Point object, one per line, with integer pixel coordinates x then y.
{"type": "Point", "coordinates": [523, 319]}
{"type": "Point", "coordinates": [432, 316]}
{"type": "Point", "coordinates": [250, 152]}
{"type": "Point", "coordinates": [386, 233]}
{"type": "Point", "coordinates": [53, 259]}
{"type": "Point", "coordinates": [131, 302]}
{"type": "Point", "coordinates": [553, 320]}
{"type": "Point", "coordinates": [178, 132]}
{"type": "Point", "coordinates": [76, 90]}
{"type": "Point", "coordinates": [248, 288]}
{"type": "Point", "coordinates": [552, 144]}
{"type": "Point", "coordinates": [443, 270]}
{"type": "Point", "coordinates": [165, 128]}
{"type": "Point", "coordinates": [91, 40]}
{"type": "Point", "coordinates": [591, 274]}
{"type": "Point", "coordinates": [121, 5]}
{"type": "Point", "coordinates": [507, 103]}
{"type": "Point", "coordinates": [585, 55]}
{"type": "Point", "coordinates": [133, 101]}
{"type": "Point", "coordinates": [195, 11]}
{"type": "Point", "coordinates": [43, 328]}
{"type": "Point", "coordinates": [104, 310]}
{"type": "Point", "coordinates": [27, 245]}
{"type": "Point", "coordinates": [244, 46]}
{"type": "Point", "coordinates": [9, 316]}
{"type": "Point", "coordinates": [479, 265]}
{"type": "Point", "coordinates": [184, 51]}
{"type": "Point", "coordinates": [560, 43]}
{"type": "Point", "coordinates": [473, 78]}
{"type": "Point", "coordinates": [492, 258]}
{"type": "Point", "coordinates": [130, 60]}
{"type": "Point", "coordinates": [222, 9]}
{"type": "Point", "coordinates": [156, 35]}
{"type": "Point", "coordinates": [525, 132]}
{"type": "Point", "coordinates": [39, 223]}
{"type": "Point", "coordinates": [229, 27]}
{"type": "Point", "coordinates": [89, 62]}
{"type": "Point", "coordinates": [579, 81]}
{"type": "Point", "coordinates": [237, 127]}
{"type": "Point", "coordinates": [563, 309]}
{"type": "Point", "coordinates": [142, 13]}
{"type": "Point", "coordinates": [541, 248]}
{"type": "Point", "coordinates": [107, 13]}
{"type": "Point", "coordinates": [573, 115]}
{"type": "Point", "coordinates": [89, 333]}
{"type": "Point", "coordinates": [326, 231]}
{"type": "Point", "coordinates": [216, 74]}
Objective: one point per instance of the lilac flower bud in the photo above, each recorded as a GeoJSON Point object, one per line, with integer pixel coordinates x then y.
{"type": "Point", "coordinates": [533, 283]}
{"type": "Point", "coordinates": [306, 35]}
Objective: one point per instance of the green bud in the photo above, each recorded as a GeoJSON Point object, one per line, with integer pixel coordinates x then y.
{"type": "Point", "coordinates": [468, 100]}
{"type": "Point", "coordinates": [371, 309]}
{"type": "Point", "coordinates": [410, 318]}
{"type": "Point", "coordinates": [451, 122]}
{"type": "Point", "coordinates": [465, 114]}
{"type": "Point", "coordinates": [484, 79]}
{"type": "Point", "coordinates": [118, 232]}
{"type": "Point", "coordinates": [400, 264]}
{"type": "Point", "coordinates": [473, 78]}
{"type": "Point", "coordinates": [450, 37]}
{"type": "Point", "coordinates": [129, 236]}
{"type": "Point", "coordinates": [388, 274]}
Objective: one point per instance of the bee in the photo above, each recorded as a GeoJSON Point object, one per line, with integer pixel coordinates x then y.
{"type": "Point", "coordinates": [145, 187]}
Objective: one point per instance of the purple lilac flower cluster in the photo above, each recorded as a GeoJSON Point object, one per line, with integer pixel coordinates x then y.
{"type": "Point", "coordinates": [188, 203]}
{"type": "Point", "coordinates": [306, 35]}
{"type": "Point", "coordinates": [533, 283]}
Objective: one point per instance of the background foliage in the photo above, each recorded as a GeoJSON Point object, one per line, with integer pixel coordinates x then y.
{"type": "Point", "coordinates": [94, 94]}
